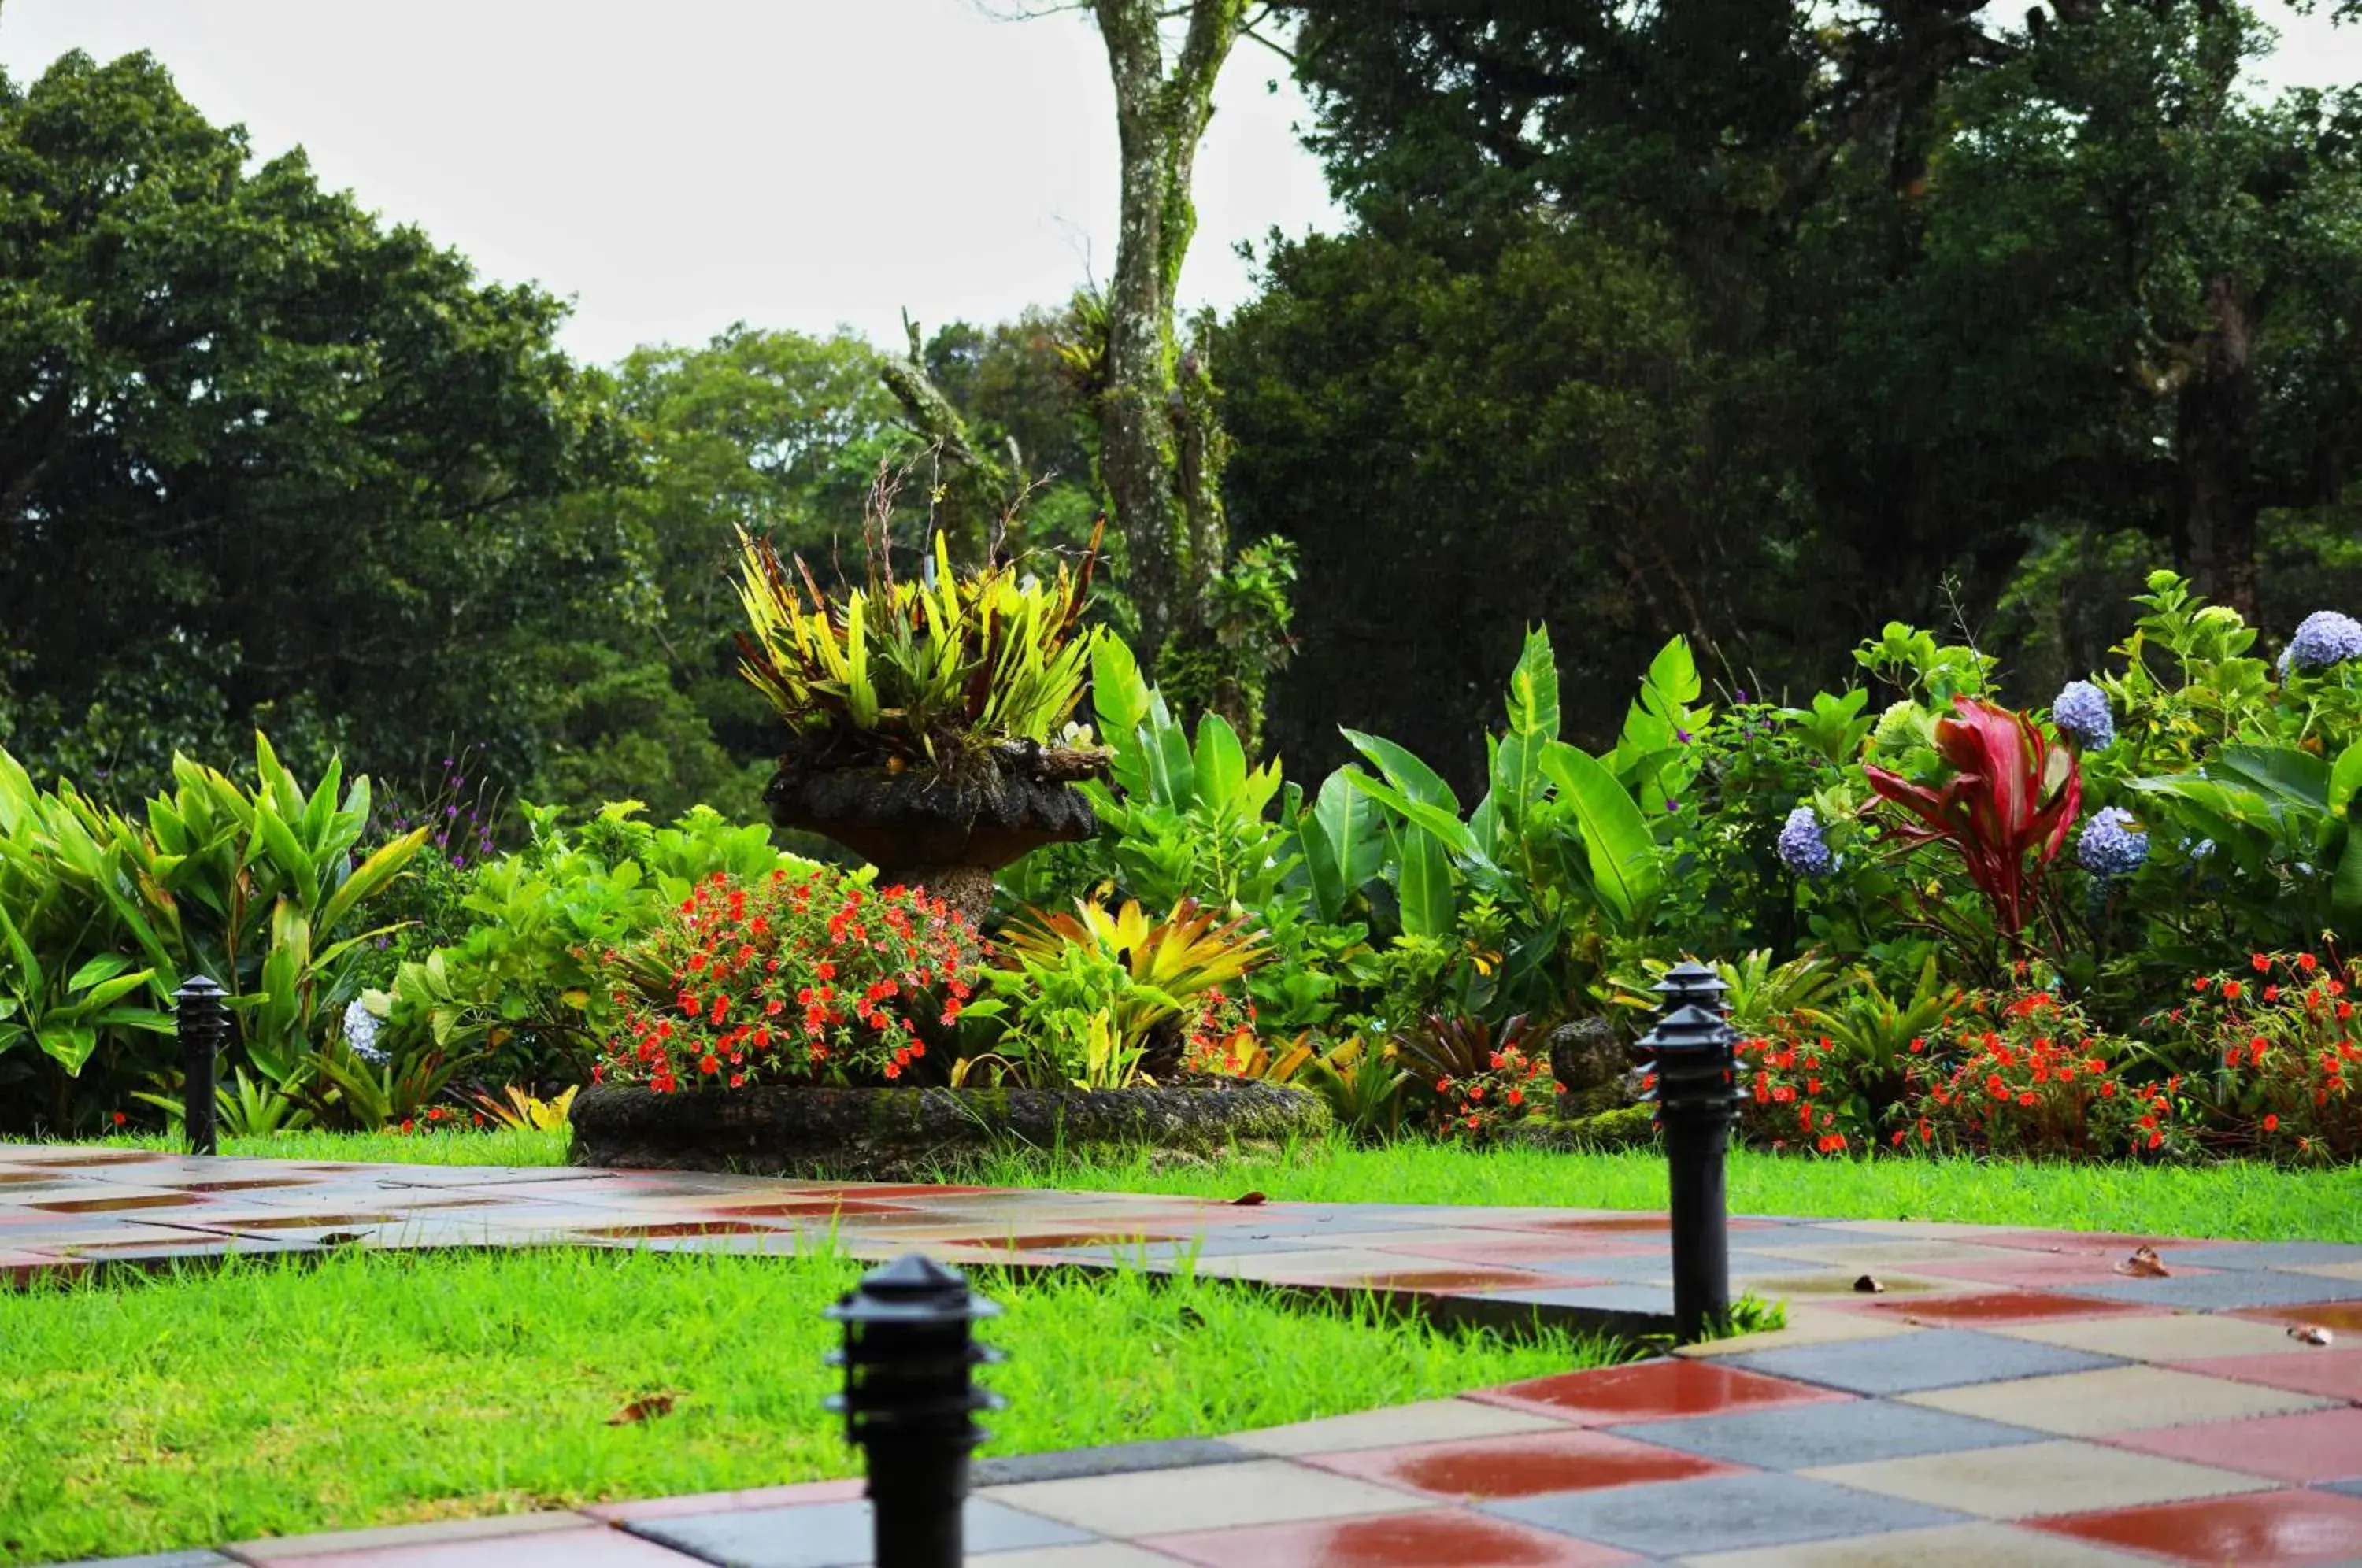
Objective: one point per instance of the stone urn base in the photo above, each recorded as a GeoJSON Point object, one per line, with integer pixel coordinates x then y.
{"type": "Point", "coordinates": [947, 833]}
{"type": "Point", "coordinates": [906, 1134]}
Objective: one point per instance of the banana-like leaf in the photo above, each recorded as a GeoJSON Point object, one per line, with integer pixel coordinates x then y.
{"type": "Point", "coordinates": [1533, 692]}
{"type": "Point", "coordinates": [1220, 763]}
{"type": "Point", "coordinates": [1424, 889]}
{"type": "Point", "coordinates": [1626, 864]}
{"type": "Point", "coordinates": [1443, 824]}
{"type": "Point", "coordinates": [2345, 779]}
{"type": "Point", "coordinates": [1404, 771]}
{"type": "Point", "coordinates": [1343, 841]}
{"type": "Point", "coordinates": [370, 877]}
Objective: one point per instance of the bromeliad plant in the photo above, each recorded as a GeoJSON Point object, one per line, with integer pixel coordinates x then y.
{"type": "Point", "coordinates": [2002, 791]}
{"type": "Point", "coordinates": [901, 670]}
{"type": "Point", "coordinates": [1102, 998]}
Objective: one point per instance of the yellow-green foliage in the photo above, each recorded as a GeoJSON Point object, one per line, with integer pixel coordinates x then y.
{"type": "Point", "coordinates": [977, 658]}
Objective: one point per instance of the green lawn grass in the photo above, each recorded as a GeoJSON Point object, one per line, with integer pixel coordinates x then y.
{"type": "Point", "coordinates": [374, 1389]}
{"type": "Point", "coordinates": [2234, 1198]}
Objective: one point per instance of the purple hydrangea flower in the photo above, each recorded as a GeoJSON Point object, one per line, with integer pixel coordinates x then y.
{"type": "Point", "coordinates": [1802, 848]}
{"type": "Point", "coordinates": [2080, 711]}
{"type": "Point", "coordinates": [2323, 638]}
{"type": "Point", "coordinates": [2112, 843]}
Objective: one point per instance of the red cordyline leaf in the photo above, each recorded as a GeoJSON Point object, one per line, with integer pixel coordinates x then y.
{"type": "Point", "coordinates": [2011, 793]}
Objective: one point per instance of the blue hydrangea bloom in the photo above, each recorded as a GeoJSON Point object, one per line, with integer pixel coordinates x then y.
{"type": "Point", "coordinates": [2080, 711]}
{"type": "Point", "coordinates": [2112, 844]}
{"type": "Point", "coordinates": [2323, 638]}
{"type": "Point", "coordinates": [361, 1032]}
{"type": "Point", "coordinates": [1802, 848]}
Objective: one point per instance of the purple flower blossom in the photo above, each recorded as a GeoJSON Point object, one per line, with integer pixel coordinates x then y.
{"type": "Point", "coordinates": [2324, 638]}
{"type": "Point", "coordinates": [2112, 843]}
{"type": "Point", "coordinates": [1803, 848]}
{"type": "Point", "coordinates": [2081, 712]}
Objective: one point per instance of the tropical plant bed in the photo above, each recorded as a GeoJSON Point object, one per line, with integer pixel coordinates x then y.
{"type": "Point", "coordinates": [899, 1134]}
{"type": "Point", "coordinates": [400, 1389]}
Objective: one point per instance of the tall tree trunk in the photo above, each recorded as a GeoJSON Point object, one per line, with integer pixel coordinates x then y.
{"type": "Point", "coordinates": [1159, 446]}
{"type": "Point", "coordinates": [2215, 504]}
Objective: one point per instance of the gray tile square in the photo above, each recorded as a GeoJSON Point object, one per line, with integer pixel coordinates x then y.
{"type": "Point", "coordinates": [1117, 1459]}
{"type": "Point", "coordinates": [2261, 1254]}
{"type": "Point", "coordinates": [1907, 1363]}
{"type": "Point", "coordinates": [1653, 1300]}
{"type": "Point", "coordinates": [2351, 1489]}
{"type": "Point", "coordinates": [1810, 1436]}
{"type": "Point", "coordinates": [2216, 1292]}
{"type": "Point", "coordinates": [836, 1535]}
{"type": "Point", "coordinates": [1652, 1267]}
{"type": "Point", "coordinates": [1722, 1513]}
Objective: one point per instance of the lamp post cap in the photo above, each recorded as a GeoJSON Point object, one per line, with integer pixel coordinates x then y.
{"type": "Point", "coordinates": [199, 986]}
{"type": "Point", "coordinates": [1689, 975]}
{"type": "Point", "coordinates": [913, 1289]}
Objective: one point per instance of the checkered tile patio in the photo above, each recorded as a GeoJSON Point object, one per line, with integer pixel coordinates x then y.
{"type": "Point", "coordinates": [2009, 1399]}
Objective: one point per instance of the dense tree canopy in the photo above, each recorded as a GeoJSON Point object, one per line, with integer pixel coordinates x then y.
{"type": "Point", "coordinates": [1910, 302]}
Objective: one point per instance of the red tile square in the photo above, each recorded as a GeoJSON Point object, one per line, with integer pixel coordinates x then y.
{"type": "Point", "coordinates": [2253, 1530]}
{"type": "Point", "coordinates": [2331, 1374]}
{"type": "Point", "coordinates": [1506, 1247]}
{"type": "Point", "coordinates": [1519, 1466]}
{"type": "Point", "coordinates": [2313, 1445]}
{"type": "Point", "coordinates": [1998, 1307]}
{"type": "Point", "coordinates": [1393, 1541]}
{"type": "Point", "coordinates": [2337, 1317]}
{"type": "Point", "coordinates": [1653, 1391]}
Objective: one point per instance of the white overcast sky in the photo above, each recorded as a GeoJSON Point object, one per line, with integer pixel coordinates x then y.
{"type": "Point", "coordinates": [676, 165]}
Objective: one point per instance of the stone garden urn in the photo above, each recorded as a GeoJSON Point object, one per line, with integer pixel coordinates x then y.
{"type": "Point", "coordinates": [946, 830]}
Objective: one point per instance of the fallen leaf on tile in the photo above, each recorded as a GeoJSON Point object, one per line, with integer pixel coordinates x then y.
{"type": "Point", "coordinates": [2311, 1333]}
{"type": "Point", "coordinates": [638, 1410]}
{"type": "Point", "coordinates": [1246, 1200]}
{"type": "Point", "coordinates": [1869, 1285]}
{"type": "Point", "coordinates": [2144, 1264]}
{"type": "Point", "coordinates": [342, 1238]}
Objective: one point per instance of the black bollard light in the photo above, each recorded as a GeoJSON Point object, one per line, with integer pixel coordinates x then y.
{"type": "Point", "coordinates": [1696, 1095]}
{"type": "Point", "coordinates": [910, 1404]}
{"type": "Point", "coordinates": [203, 1023]}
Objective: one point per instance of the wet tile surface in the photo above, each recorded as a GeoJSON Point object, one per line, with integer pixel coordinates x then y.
{"type": "Point", "coordinates": [2276, 1527]}
{"type": "Point", "coordinates": [1656, 1390]}
{"type": "Point", "coordinates": [1520, 1466]}
{"type": "Point", "coordinates": [1723, 1513]}
{"type": "Point", "coordinates": [1407, 1541]}
{"type": "Point", "coordinates": [2007, 1378]}
{"type": "Point", "coordinates": [1940, 1358]}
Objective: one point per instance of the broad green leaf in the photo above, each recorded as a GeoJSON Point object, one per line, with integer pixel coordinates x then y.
{"type": "Point", "coordinates": [69, 1046]}
{"type": "Point", "coordinates": [1343, 840]}
{"type": "Point", "coordinates": [1533, 689]}
{"type": "Point", "coordinates": [2345, 888]}
{"type": "Point", "coordinates": [293, 861]}
{"type": "Point", "coordinates": [2283, 773]}
{"type": "Point", "coordinates": [1626, 865]}
{"type": "Point", "coordinates": [1404, 771]}
{"type": "Point", "coordinates": [29, 968]}
{"type": "Point", "coordinates": [1220, 763]}
{"type": "Point", "coordinates": [1425, 890]}
{"type": "Point", "coordinates": [106, 966]}
{"type": "Point", "coordinates": [1443, 824]}
{"type": "Point", "coordinates": [1119, 696]}
{"type": "Point", "coordinates": [2345, 778]}
{"type": "Point", "coordinates": [369, 877]}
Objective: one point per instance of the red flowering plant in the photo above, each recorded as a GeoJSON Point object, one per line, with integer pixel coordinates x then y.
{"type": "Point", "coordinates": [2022, 1072]}
{"type": "Point", "coordinates": [1792, 1094]}
{"type": "Point", "coordinates": [1480, 1080]}
{"type": "Point", "coordinates": [2277, 1038]}
{"type": "Point", "coordinates": [2006, 793]}
{"type": "Point", "coordinates": [786, 978]}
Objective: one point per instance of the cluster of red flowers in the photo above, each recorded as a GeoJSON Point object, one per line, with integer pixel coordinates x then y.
{"type": "Point", "coordinates": [440, 1119]}
{"type": "Point", "coordinates": [2282, 1030]}
{"type": "Point", "coordinates": [2025, 1074]}
{"type": "Point", "coordinates": [1790, 1099]}
{"type": "Point", "coordinates": [1511, 1086]}
{"type": "Point", "coordinates": [1222, 1032]}
{"type": "Point", "coordinates": [785, 976]}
